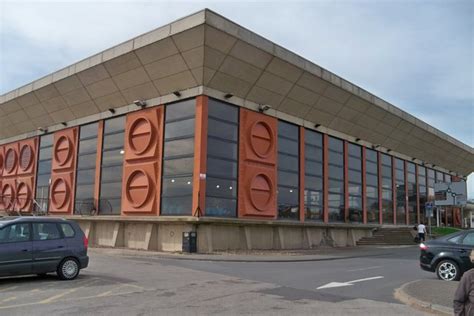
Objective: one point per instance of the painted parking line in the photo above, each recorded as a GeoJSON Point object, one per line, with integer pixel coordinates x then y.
{"type": "Point", "coordinates": [65, 299]}
{"type": "Point", "coordinates": [8, 299]}
{"type": "Point", "coordinates": [363, 269]}
{"type": "Point", "coordinates": [55, 297]}
{"type": "Point", "coordinates": [8, 288]}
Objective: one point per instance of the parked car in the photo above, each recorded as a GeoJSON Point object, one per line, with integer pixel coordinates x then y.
{"type": "Point", "coordinates": [448, 256]}
{"type": "Point", "coordinates": [41, 245]}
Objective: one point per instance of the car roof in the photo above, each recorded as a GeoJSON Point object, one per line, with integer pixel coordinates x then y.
{"type": "Point", "coordinates": [19, 219]}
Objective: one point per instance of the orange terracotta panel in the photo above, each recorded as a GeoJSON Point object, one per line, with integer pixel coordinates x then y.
{"type": "Point", "coordinates": [139, 194]}
{"type": "Point", "coordinates": [24, 193]}
{"type": "Point", "coordinates": [143, 134]}
{"type": "Point", "coordinates": [27, 156]}
{"type": "Point", "coordinates": [258, 135]}
{"type": "Point", "coordinates": [63, 171]}
{"type": "Point", "coordinates": [11, 160]}
{"type": "Point", "coordinates": [141, 181]}
{"type": "Point", "coordinates": [2, 159]}
{"type": "Point", "coordinates": [61, 193]}
{"type": "Point", "coordinates": [65, 149]}
{"type": "Point", "coordinates": [257, 165]}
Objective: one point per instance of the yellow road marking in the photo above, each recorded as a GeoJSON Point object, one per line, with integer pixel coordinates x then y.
{"type": "Point", "coordinates": [55, 297]}
{"type": "Point", "coordinates": [8, 288]}
{"type": "Point", "coordinates": [110, 291]}
{"type": "Point", "coordinates": [8, 299]}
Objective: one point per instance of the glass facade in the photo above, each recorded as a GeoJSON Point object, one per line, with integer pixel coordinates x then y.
{"type": "Point", "coordinates": [336, 206]}
{"type": "Point", "coordinates": [111, 167]}
{"type": "Point", "coordinates": [313, 174]}
{"type": "Point", "coordinates": [387, 195]}
{"type": "Point", "coordinates": [412, 196]}
{"type": "Point", "coordinates": [86, 161]}
{"type": "Point", "coordinates": [222, 159]}
{"type": "Point", "coordinates": [355, 183]}
{"type": "Point", "coordinates": [431, 179]}
{"type": "Point", "coordinates": [178, 158]}
{"type": "Point", "coordinates": [392, 186]}
{"type": "Point", "coordinates": [43, 178]}
{"type": "Point", "coordinates": [288, 171]}
{"type": "Point", "coordinates": [400, 190]}
{"type": "Point", "coordinates": [422, 193]}
{"type": "Point", "coordinates": [372, 185]}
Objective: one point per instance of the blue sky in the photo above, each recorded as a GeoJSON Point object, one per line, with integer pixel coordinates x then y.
{"type": "Point", "coordinates": [417, 55]}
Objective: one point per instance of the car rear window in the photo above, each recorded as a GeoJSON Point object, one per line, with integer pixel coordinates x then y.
{"type": "Point", "coordinates": [469, 239]}
{"type": "Point", "coordinates": [455, 239]}
{"type": "Point", "coordinates": [67, 229]}
{"type": "Point", "coordinates": [45, 231]}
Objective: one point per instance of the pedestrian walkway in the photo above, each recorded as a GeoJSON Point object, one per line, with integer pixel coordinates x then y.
{"type": "Point", "coordinates": [434, 295]}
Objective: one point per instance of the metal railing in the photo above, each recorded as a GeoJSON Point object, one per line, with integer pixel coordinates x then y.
{"type": "Point", "coordinates": [40, 206]}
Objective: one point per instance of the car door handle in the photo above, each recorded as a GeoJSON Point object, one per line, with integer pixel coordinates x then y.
{"type": "Point", "coordinates": [24, 250]}
{"type": "Point", "coordinates": [60, 247]}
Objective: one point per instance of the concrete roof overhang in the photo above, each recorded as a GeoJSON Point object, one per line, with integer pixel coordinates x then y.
{"type": "Point", "coordinates": [206, 49]}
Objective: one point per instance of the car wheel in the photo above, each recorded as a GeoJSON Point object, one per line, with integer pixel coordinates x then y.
{"type": "Point", "coordinates": [448, 270]}
{"type": "Point", "coordinates": [68, 269]}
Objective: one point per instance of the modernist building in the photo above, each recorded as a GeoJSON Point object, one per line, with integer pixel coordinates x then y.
{"type": "Point", "coordinates": [204, 125]}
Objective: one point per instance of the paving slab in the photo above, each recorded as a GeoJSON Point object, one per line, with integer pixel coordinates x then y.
{"type": "Point", "coordinates": [434, 295]}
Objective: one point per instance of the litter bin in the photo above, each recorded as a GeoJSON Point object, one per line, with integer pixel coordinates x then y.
{"type": "Point", "coordinates": [189, 242]}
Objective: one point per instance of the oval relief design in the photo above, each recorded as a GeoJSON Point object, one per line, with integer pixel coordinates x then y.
{"type": "Point", "coordinates": [26, 157]}
{"type": "Point", "coordinates": [261, 191]}
{"type": "Point", "coordinates": [59, 193]}
{"type": "Point", "coordinates": [62, 150]}
{"type": "Point", "coordinates": [140, 135]}
{"type": "Point", "coordinates": [261, 139]}
{"type": "Point", "coordinates": [138, 188]}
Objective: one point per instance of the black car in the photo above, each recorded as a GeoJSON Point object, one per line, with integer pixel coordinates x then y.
{"type": "Point", "coordinates": [448, 256]}
{"type": "Point", "coordinates": [40, 245]}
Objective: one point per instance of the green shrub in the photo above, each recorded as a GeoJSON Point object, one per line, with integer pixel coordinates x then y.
{"type": "Point", "coordinates": [441, 231]}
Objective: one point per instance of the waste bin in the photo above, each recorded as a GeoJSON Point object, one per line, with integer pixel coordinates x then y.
{"type": "Point", "coordinates": [189, 242]}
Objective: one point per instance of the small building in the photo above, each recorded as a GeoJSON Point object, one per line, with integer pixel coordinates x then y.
{"type": "Point", "coordinates": [202, 125]}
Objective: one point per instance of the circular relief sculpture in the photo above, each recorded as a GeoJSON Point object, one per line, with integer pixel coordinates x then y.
{"type": "Point", "coordinates": [8, 195]}
{"type": "Point", "coordinates": [140, 135]}
{"type": "Point", "coordinates": [59, 193]}
{"type": "Point", "coordinates": [23, 195]}
{"type": "Point", "coordinates": [10, 160]}
{"type": "Point", "coordinates": [261, 139]}
{"type": "Point", "coordinates": [261, 191]}
{"type": "Point", "coordinates": [1, 163]}
{"type": "Point", "coordinates": [62, 150]}
{"type": "Point", "coordinates": [26, 157]}
{"type": "Point", "coordinates": [138, 188]}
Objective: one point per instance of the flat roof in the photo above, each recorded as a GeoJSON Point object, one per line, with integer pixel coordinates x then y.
{"type": "Point", "coordinates": [205, 49]}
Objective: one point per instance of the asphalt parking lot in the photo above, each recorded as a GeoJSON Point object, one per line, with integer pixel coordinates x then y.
{"type": "Point", "coordinates": [119, 284]}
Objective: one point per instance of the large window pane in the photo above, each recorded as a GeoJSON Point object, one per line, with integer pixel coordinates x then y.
{"type": "Point", "coordinates": [181, 147]}
{"type": "Point", "coordinates": [179, 110]}
{"type": "Point", "coordinates": [288, 171]}
{"type": "Point", "coordinates": [223, 111]}
{"type": "Point", "coordinates": [180, 166]}
{"type": "Point", "coordinates": [179, 129]}
{"type": "Point", "coordinates": [221, 149]}
{"type": "Point", "coordinates": [178, 163]}
{"type": "Point", "coordinates": [112, 155]}
{"type": "Point", "coordinates": [177, 186]}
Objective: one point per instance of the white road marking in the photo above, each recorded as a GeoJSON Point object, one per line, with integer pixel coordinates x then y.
{"type": "Point", "coordinates": [363, 269]}
{"type": "Point", "coordinates": [349, 283]}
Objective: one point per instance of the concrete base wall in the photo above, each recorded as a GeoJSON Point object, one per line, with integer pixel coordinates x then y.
{"type": "Point", "coordinates": [217, 234]}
